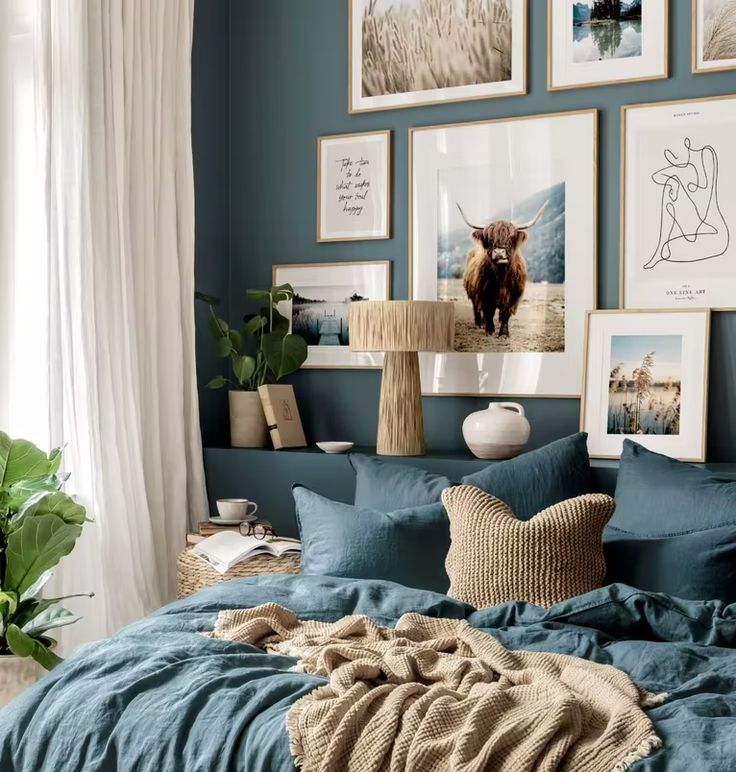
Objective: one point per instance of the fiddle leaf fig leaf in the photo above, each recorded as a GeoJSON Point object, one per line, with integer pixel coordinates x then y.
{"type": "Point", "coordinates": [59, 504]}
{"type": "Point", "coordinates": [48, 619]}
{"type": "Point", "coordinates": [20, 493]}
{"type": "Point", "coordinates": [38, 544]}
{"type": "Point", "coordinates": [22, 645]}
{"type": "Point", "coordinates": [284, 355]}
{"type": "Point", "coordinates": [22, 460]}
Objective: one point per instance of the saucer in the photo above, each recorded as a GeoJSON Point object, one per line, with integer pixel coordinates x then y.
{"type": "Point", "coordinates": [232, 521]}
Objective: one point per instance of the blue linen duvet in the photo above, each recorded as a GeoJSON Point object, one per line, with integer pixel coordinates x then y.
{"type": "Point", "coordinates": [158, 696]}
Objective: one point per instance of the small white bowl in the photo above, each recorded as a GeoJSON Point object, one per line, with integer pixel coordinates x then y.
{"type": "Point", "coordinates": [335, 447]}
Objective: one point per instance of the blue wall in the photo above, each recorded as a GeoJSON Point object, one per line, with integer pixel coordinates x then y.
{"type": "Point", "coordinates": [286, 72]}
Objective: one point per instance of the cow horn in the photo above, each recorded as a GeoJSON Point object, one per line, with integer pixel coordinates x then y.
{"type": "Point", "coordinates": [469, 224]}
{"type": "Point", "coordinates": [534, 220]}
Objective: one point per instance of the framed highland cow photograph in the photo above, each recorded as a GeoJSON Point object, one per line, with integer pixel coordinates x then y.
{"type": "Point", "coordinates": [320, 308]}
{"type": "Point", "coordinates": [714, 35]}
{"type": "Point", "coordinates": [601, 42]}
{"type": "Point", "coordinates": [490, 234]}
{"type": "Point", "coordinates": [678, 185]}
{"type": "Point", "coordinates": [405, 53]}
{"type": "Point", "coordinates": [646, 377]}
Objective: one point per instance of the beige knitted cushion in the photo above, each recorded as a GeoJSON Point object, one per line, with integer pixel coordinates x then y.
{"type": "Point", "coordinates": [495, 558]}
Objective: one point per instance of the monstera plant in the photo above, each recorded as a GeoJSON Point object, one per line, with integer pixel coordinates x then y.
{"type": "Point", "coordinates": [262, 350]}
{"type": "Point", "coordinates": [39, 525]}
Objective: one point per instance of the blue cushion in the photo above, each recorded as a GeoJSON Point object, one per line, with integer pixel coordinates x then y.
{"type": "Point", "coordinates": [674, 529]}
{"type": "Point", "coordinates": [536, 480]}
{"type": "Point", "coordinates": [408, 546]}
{"type": "Point", "coordinates": [387, 486]}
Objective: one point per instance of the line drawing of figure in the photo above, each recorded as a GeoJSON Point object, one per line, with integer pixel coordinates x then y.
{"type": "Point", "coordinates": [692, 227]}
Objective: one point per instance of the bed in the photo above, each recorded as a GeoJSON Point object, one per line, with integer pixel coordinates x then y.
{"type": "Point", "coordinates": [158, 695]}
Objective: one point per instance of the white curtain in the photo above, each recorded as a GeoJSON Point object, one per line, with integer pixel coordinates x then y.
{"type": "Point", "coordinates": [112, 80]}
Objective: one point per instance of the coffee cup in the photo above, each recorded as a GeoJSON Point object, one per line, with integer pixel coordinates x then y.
{"type": "Point", "coordinates": [236, 509]}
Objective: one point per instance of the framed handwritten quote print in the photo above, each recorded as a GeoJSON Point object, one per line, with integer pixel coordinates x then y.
{"type": "Point", "coordinates": [354, 186]}
{"type": "Point", "coordinates": [678, 182]}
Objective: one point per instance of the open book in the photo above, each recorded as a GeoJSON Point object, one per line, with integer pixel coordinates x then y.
{"type": "Point", "coordinates": [228, 548]}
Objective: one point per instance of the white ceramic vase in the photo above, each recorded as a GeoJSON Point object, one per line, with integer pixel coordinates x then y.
{"type": "Point", "coordinates": [16, 675]}
{"type": "Point", "coordinates": [247, 421]}
{"type": "Point", "coordinates": [500, 431]}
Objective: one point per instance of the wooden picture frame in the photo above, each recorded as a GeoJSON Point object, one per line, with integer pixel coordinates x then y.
{"type": "Point", "coordinates": [354, 186]}
{"type": "Point", "coordinates": [564, 73]}
{"type": "Point", "coordinates": [516, 85]}
{"type": "Point", "coordinates": [699, 66]}
{"type": "Point", "coordinates": [643, 331]}
{"type": "Point", "coordinates": [372, 276]}
{"type": "Point", "coordinates": [686, 139]}
{"type": "Point", "coordinates": [574, 135]}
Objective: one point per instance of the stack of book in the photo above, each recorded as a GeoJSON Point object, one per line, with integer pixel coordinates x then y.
{"type": "Point", "coordinates": [205, 529]}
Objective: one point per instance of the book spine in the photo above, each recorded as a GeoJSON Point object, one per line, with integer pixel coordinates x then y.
{"type": "Point", "coordinates": [270, 414]}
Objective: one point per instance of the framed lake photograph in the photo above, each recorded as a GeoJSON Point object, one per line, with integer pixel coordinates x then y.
{"type": "Point", "coordinates": [714, 35]}
{"type": "Point", "coordinates": [646, 377]}
{"type": "Point", "coordinates": [320, 308]}
{"type": "Point", "coordinates": [354, 186]}
{"type": "Point", "coordinates": [678, 181]}
{"type": "Point", "coordinates": [405, 53]}
{"type": "Point", "coordinates": [489, 233]}
{"type": "Point", "coordinates": [601, 42]}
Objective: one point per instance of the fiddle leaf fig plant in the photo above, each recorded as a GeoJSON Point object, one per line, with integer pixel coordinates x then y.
{"type": "Point", "coordinates": [262, 350]}
{"type": "Point", "coordinates": [39, 525]}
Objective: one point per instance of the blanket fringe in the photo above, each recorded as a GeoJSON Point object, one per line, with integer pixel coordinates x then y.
{"type": "Point", "coordinates": [644, 749]}
{"type": "Point", "coordinates": [296, 744]}
{"type": "Point", "coordinates": [649, 700]}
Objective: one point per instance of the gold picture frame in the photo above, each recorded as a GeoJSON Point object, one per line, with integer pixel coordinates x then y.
{"type": "Point", "coordinates": [697, 68]}
{"type": "Point", "coordinates": [354, 99]}
{"type": "Point", "coordinates": [354, 138]}
{"type": "Point", "coordinates": [702, 414]}
{"type": "Point", "coordinates": [625, 111]}
{"type": "Point", "coordinates": [285, 272]}
{"type": "Point", "coordinates": [606, 81]}
{"type": "Point", "coordinates": [413, 132]}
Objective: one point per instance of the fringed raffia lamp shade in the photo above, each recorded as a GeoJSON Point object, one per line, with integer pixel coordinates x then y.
{"type": "Point", "coordinates": [401, 328]}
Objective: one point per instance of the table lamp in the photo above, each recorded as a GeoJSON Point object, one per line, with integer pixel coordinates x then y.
{"type": "Point", "coordinates": [401, 328]}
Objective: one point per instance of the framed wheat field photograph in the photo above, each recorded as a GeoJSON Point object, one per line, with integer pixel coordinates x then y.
{"type": "Point", "coordinates": [678, 183]}
{"type": "Point", "coordinates": [405, 53]}
{"type": "Point", "coordinates": [354, 186]}
{"type": "Point", "coordinates": [646, 377]}
{"type": "Point", "coordinates": [602, 42]}
{"type": "Point", "coordinates": [490, 234]}
{"type": "Point", "coordinates": [320, 308]}
{"type": "Point", "coordinates": [714, 35]}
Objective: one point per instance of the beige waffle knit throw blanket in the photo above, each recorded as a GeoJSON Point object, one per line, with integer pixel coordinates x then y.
{"type": "Point", "coordinates": [437, 694]}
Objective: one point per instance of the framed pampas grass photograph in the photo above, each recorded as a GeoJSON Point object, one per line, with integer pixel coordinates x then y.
{"type": "Point", "coordinates": [714, 35]}
{"type": "Point", "coordinates": [406, 53]}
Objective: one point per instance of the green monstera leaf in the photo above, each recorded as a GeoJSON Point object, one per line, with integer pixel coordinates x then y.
{"type": "Point", "coordinates": [37, 544]}
{"type": "Point", "coordinates": [284, 354]}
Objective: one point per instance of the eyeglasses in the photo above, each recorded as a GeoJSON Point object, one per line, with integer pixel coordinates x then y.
{"type": "Point", "coordinates": [260, 529]}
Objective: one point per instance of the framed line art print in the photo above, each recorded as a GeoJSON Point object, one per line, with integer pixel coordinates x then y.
{"type": "Point", "coordinates": [714, 35]}
{"type": "Point", "coordinates": [354, 186]}
{"type": "Point", "coordinates": [489, 233]}
{"type": "Point", "coordinates": [599, 42]}
{"type": "Point", "coordinates": [646, 378]}
{"type": "Point", "coordinates": [405, 53]}
{"type": "Point", "coordinates": [678, 226]}
{"type": "Point", "coordinates": [320, 308]}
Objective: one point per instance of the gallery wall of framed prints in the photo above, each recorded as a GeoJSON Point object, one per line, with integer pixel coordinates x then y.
{"type": "Point", "coordinates": [502, 213]}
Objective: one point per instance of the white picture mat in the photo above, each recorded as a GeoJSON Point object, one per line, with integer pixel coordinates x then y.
{"type": "Point", "coordinates": [373, 278]}
{"type": "Point", "coordinates": [689, 444]}
{"type": "Point", "coordinates": [516, 85]}
{"type": "Point", "coordinates": [707, 283]}
{"type": "Point", "coordinates": [334, 224]}
{"type": "Point", "coordinates": [700, 63]}
{"type": "Point", "coordinates": [651, 64]}
{"type": "Point", "coordinates": [565, 140]}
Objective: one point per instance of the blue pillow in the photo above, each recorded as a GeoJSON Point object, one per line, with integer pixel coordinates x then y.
{"type": "Point", "coordinates": [674, 528]}
{"type": "Point", "coordinates": [408, 546]}
{"type": "Point", "coordinates": [540, 478]}
{"type": "Point", "coordinates": [387, 486]}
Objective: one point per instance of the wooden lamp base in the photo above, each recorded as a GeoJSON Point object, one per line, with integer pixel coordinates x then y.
{"type": "Point", "coordinates": [400, 418]}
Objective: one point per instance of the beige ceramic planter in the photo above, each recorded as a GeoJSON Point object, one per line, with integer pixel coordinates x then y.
{"type": "Point", "coordinates": [16, 675]}
{"type": "Point", "coordinates": [247, 422]}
